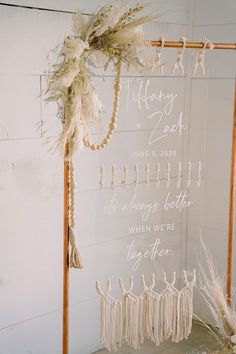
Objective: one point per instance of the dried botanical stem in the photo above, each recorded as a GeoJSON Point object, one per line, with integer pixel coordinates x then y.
{"type": "Point", "coordinates": [214, 294]}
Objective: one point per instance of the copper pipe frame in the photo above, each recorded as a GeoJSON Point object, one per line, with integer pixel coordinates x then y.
{"type": "Point", "coordinates": [231, 208]}
{"type": "Point", "coordinates": [65, 335]}
{"type": "Point", "coordinates": [193, 45]}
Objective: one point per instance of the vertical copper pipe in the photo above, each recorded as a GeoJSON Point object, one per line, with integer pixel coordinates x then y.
{"type": "Point", "coordinates": [231, 207]}
{"type": "Point", "coordinates": [65, 334]}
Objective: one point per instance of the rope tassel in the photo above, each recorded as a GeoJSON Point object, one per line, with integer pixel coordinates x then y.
{"type": "Point", "coordinates": [75, 260]}
{"type": "Point", "coordinates": [75, 257]}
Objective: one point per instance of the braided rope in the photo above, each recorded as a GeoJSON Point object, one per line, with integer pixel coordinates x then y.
{"type": "Point", "coordinates": [75, 258]}
{"type": "Point", "coordinates": [72, 188]}
{"type": "Point", "coordinates": [200, 57]}
{"type": "Point", "coordinates": [179, 60]}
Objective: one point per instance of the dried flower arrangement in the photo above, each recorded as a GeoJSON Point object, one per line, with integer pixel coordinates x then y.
{"type": "Point", "coordinates": [111, 35]}
{"type": "Point", "coordinates": [213, 292]}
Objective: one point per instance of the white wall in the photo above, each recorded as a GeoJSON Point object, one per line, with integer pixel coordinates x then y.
{"type": "Point", "coordinates": [32, 177]}
{"type": "Point", "coordinates": [212, 102]}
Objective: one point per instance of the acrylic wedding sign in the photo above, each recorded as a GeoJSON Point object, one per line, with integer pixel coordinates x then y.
{"type": "Point", "coordinates": [143, 179]}
{"type": "Point", "coordinates": [143, 182]}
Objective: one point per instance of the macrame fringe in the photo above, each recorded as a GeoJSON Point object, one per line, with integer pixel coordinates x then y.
{"type": "Point", "coordinates": [156, 316]}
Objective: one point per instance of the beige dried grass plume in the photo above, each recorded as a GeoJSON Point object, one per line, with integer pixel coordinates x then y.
{"type": "Point", "coordinates": [213, 291]}
{"type": "Point", "coordinates": [112, 33]}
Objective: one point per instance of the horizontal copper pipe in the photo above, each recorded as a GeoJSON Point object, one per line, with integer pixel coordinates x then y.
{"type": "Point", "coordinates": [194, 45]}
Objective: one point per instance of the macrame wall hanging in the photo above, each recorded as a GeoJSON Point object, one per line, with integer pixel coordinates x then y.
{"type": "Point", "coordinates": [157, 316]}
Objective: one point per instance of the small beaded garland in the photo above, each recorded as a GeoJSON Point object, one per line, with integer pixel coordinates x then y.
{"type": "Point", "coordinates": [113, 122]}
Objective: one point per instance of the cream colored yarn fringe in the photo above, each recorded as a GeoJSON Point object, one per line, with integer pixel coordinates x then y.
{"type": "Point", "coordinates": [131, 318]}
{"type": "Point", "coordinates": [75, 260]}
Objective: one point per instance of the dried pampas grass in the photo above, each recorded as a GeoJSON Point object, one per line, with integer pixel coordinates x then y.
{"type": "Point", "coordinates": [115, 31]}
{"type": "Point", "coordinates": [213, 291]}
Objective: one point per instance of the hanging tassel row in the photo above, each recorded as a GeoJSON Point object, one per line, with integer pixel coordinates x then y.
{"type": "Point", "coordinates": [151, 315]}
{"type": "Point", "coordinates": [152, 174]}
{"type": "Point", "coordinates": [75, 260]}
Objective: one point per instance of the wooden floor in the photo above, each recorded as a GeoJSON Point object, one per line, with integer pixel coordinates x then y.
{"type": "Point", "coordinates": [199, 342]}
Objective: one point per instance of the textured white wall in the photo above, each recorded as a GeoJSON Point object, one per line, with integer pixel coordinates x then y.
{"type": "Point", "coordinates": [212, 101]}
{"type": "Point", "coordinates": [31, 178]}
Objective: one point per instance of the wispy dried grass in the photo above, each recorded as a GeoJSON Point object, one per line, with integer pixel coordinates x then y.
{"type": "Point", "coordinates": [213, 291]}
{"type": "Point", "coordinates": [114, 31]}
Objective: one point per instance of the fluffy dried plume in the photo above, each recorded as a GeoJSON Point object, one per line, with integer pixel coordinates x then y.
{"type": "Point", "coordinates": [112, 33]}
{"type": "Point", "coordinates": [213, 292]}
